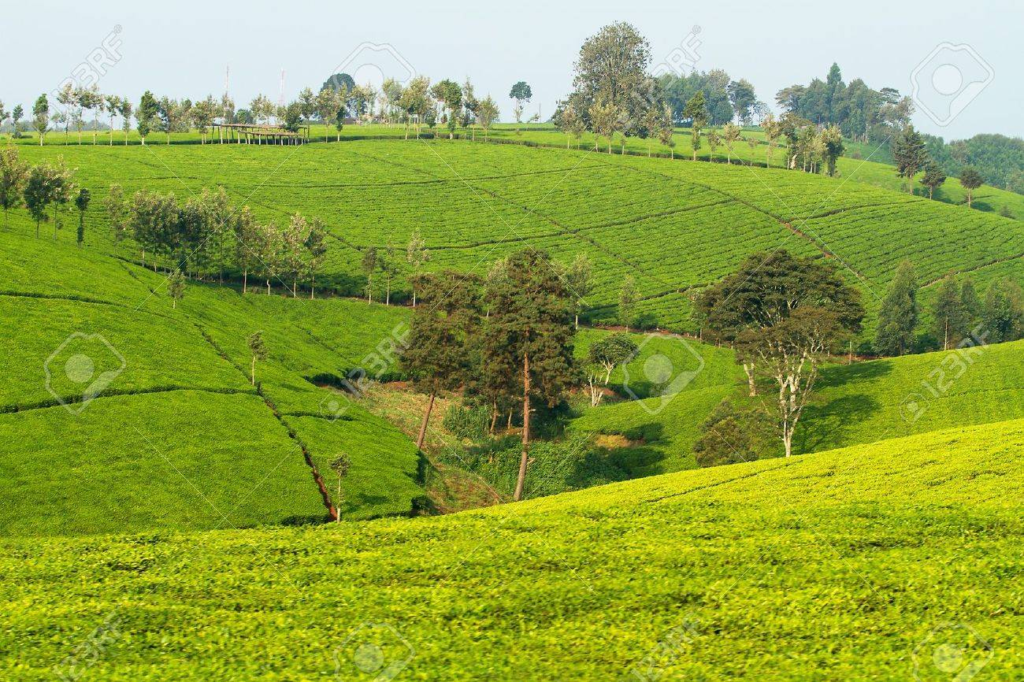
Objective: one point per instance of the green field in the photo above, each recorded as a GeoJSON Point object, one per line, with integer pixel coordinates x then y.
{"type": "Point", "coordinates": [178, 437]}
{"type": "Point", "coordinates": [674, 226]}
{"type": "Point", "coordinates": [867, 563]}
{"type": "Point", "coordinates": [863, 163]}
{"type": "Point", "coordinates": [855, 404]}
{"type": "Point", "coordinates": [476, 203]}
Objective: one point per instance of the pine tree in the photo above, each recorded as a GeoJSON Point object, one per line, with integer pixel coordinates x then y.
{"type": "Point", "coordinates": [909, 153]}
{"type": "Point", "coordinates": [897, 318]}
{"type": "Point", "coordinates": [531, 326]}
{"type": "Point", "coordinates": [950, 319]}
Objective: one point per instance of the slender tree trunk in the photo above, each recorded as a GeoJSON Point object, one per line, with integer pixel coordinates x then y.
{"type": "Point", "coordinates": [312, 287]}
{"type": "Point", "coordinates": [253, 371]}
{"type": "Point", "coordinates": [494, 415]}
{"type": "Point", "coordinates": [245, 280]}
{"type": "Point", "coordinates": [524, 460]}
{"type": "Point", "coordinates": [423, 425]}
{"type": "Point", "coordinates": [751, 382]}
{"type": "Point", "coordinates": [339, 499]}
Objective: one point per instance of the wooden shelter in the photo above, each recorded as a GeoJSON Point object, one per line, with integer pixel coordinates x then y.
{"type": "Point", "coordinates": [251, 133]}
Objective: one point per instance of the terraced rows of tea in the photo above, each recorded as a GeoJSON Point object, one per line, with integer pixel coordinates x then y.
{"type": "Point", "coordinates": [673, 226]}
{"type": "Point", "coordinates": [177, 436]}
{"type": "Point", "coordinates": [865, 563]}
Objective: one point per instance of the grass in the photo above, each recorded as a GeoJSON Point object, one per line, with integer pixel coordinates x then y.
{"type": "Point", "coordinates": [852, 564]}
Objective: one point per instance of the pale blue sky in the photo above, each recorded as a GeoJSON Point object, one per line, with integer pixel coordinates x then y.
{"type": "Point", "coordinates": [182, 48]}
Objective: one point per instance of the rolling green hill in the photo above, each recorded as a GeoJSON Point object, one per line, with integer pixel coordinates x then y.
{"type": "Point", "coordinates": [879, 562]}
{"type": "Point", "coordinates": [674, 227]}
{"type": "Point", "coordinates": [176, 436]}
{"type": "Point", "coordinates": [854, 404]}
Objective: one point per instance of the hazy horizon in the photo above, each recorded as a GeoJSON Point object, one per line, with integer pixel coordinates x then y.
{"type": "Point", "coordinates": [191, 47]}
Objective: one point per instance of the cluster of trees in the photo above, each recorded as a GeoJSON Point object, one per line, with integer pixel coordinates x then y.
{"type": "Point", "coordinates": [784, 316]}
{"type": "Point", "coordinates": [911, 156]}
{"type": "Point", "coordinates": [859, 112]}
{"type": "Point", "coordinates": [727, 100]}
{"type": "Point", "coordinates": [958, 313]}
{"type": "Point", "coordinates": [414, 104]}
{"type": "Point", "coordinates": [40, 188]}
{"type": "Point", "coordinates": [615, 94]}
{"type": "Point", "coordinates": [811, 148]}
{"type": "Point", "coordinates": [614, 91]}
{"type": "Point", "coordinates": [996, 158]}
{"type": "Point", "coordinates": [206, 234]}
{"type": "Point", "coordinates": [505, 341]}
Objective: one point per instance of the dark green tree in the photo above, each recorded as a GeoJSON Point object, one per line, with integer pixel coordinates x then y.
{"type": "Point", "coordinates": [82, 204]}
{"type": "Point", "coordinates": [933, 178]}
{"type": "Point", "coordinates": [16, 115]}
{"type": "Point", "coordinates": [1003, 312]}
{"type": "Point", "coordinates": [37, 195]}
{"type": "Point", "coordinates": [950, 319]}
{"type": "Point", "coordinates": [897, 317]}
{"type": "Point", "coordinates": [731, 435]}
{"type": "Point", "coordinates": [531, 326]}
{"type": "Point", "coordinates": [146, 114]}
{"type": "Point", "coordinates": [970, 180]}
{"type": "Point", "coordinates": [765, 290]}
{"type": "Point", "coordinates": [909, 153]}
{"type": "Point", "coordinates": [445, 328]}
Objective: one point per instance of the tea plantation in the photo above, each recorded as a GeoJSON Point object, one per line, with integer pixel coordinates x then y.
{"type": "Point", "coordinates": [673, 226]}
{"type": "Point", "coordinates": [875, 562]}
